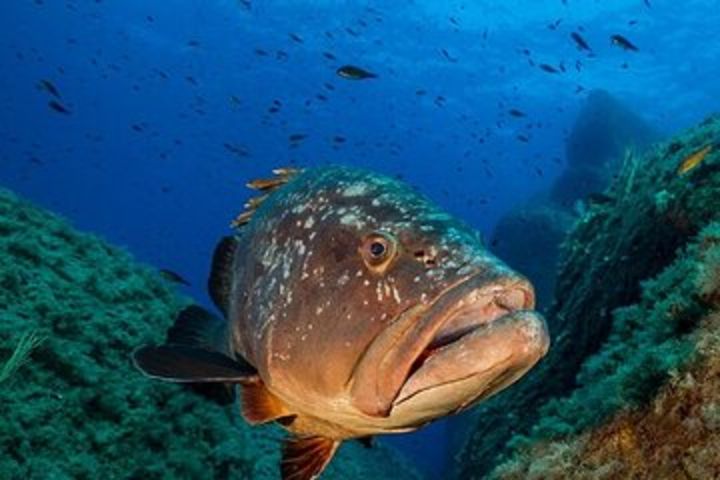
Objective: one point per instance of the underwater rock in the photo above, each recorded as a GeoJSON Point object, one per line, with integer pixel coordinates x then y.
{"type": "Point", "coordinates": [529, 238]}
{"type": "Point", "coordinates": [635, 304]}
{"type": "Point", "coordinates": [602, 132]}
{"type": "Point", "coordinates": [77, 408]}
{"type": "Point", "coordinates": [672, 334]}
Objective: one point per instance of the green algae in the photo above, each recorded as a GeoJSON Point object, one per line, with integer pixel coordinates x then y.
{"type": "Point", "coordinates": [627, 298]}
{"type": "Point", "coordinates": [77, 409]}
{"type": "Point", "coordinates": [27, 343]}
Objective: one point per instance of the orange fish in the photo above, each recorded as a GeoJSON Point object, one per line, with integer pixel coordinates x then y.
{"type": "Point", "coordinates": [693, 160]}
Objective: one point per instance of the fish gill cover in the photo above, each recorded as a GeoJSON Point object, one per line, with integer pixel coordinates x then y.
{"type": "Point", "coordinates": [141, 121]}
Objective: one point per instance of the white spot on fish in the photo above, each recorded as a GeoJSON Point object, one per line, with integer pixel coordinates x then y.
{"type": "Point", "coordinates": [396, 295]}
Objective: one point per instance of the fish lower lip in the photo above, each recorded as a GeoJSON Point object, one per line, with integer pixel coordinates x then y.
{"type": "Point", "coordinates": [455, 375]}
{"type": "Point", "coordinates": [484, 307]}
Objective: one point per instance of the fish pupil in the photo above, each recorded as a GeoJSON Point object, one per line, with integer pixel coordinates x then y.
{"type": "Point", "coordinates": [377, 249]}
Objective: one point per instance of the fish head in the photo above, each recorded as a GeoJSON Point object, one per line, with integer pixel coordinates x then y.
{"type": "Point", "coordinates": [397, 313]}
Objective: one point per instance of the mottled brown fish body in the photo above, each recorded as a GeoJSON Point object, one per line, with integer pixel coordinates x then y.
{"type": "Point", "coordinates": [353, 307]}
{"type": "Point", "coordinates": [336, 337]}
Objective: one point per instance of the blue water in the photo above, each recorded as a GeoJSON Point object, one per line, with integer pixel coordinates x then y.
{"type": "Point", "coordinates": [158, 90]}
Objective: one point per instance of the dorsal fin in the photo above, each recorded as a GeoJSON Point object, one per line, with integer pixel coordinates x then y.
{"type": "Point", "coordinates": [261, 406]}
{"type": "Point", "coordinates": [220, 281]}
{"type": "Point", "coordinates": [305, 458]}
{"type": "Point", "coordinates": [266, 186]}
{"type": "Point", "coordinates": [196, 327]}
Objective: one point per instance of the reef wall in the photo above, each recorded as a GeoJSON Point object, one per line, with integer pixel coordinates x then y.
{"type": "Point", "coordinates": [529, 237]}
{"type": "Point", "coordinates": [77, 409]}
{"type": "Point", "coordinates": [630, 377]}
{"type": "Point", "coordinates": [603, 131]}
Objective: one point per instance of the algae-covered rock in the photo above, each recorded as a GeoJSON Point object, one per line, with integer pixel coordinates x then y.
{"type": "Point", "coordinates": [638, 280]}
{"type": "Point", "coordinates": [673, 334]}
{"type": "Point", "coordinates": [76, 408]}
{"type": "Point", "coordinates": [603, 130]}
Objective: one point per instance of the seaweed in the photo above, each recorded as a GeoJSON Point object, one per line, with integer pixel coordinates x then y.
{"type": "Point", "coordinates": [21, 354]}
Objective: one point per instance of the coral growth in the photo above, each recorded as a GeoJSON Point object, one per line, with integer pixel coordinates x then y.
{"type": "Point", "coordinates": [77, 409]}
{"type": "Point", "coordinates": [638, 279]}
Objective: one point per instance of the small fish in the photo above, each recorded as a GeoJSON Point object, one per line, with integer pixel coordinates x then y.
{"type": "Point", "coordinates": [554, 25]}
{"type": "Point", "coordinates": [580, 42]}
{"type": "Point", "coordinates": [48, 86]}
{"type": "Point", "coordinates": [352, 307]}
{"type": "Point", "coordinates": [549, 68]}
{"type": "Point", "coordinates": [693, 160]}
{"type": "Point", "coordinates": [296, 38]}
{"type": "Point", "coordinates": [58, 107]}
{"type": "Point", "coordinates": [624, 43]}
{"type": "Point", "coordinates": [351, 72]}
{"type": "Point", "coordinates": [329, 56]}
{"type": "Point", "coordinates": [516, 113]}
{"type": "Point", "coordinates": [297, 137]}
{"type": "Point", "coordinates": [447, 56]}
{"type": "Point", "coordinates": [173, 277]}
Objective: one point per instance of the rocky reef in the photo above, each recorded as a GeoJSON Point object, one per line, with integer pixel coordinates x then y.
{"type": "Point", "coordinates": [630, 387]}
{"type": "Point", "coordinates": [604, 129]}
{"type": "Point", "coordinates": [529, 236]}
{"type": "Point", "coordinates": [72, 308]}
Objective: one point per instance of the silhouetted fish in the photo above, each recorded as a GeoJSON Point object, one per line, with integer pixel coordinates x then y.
{"type": "Point", "coordinates": [48, 86]}
{"type": "Point", "coordinates": [580, 41]}
{"type": "Point", "coordinates": [58, 107]}
{"type": "Point", "coordinates": [354, 307]}
{"type": "Point", "coordinates": [297, 137]}
{"type": "Point", "coordinates": [548, 68]}
{"type": "Point", "coordinates": [623, 43]}
{"type": "Point", "coordinates": [351, 72]}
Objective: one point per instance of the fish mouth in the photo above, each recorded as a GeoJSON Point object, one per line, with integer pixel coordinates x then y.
{"type": "Point", "coordinates": [476, 332]}
{"type": "Point", "coordinates": [485, 337]}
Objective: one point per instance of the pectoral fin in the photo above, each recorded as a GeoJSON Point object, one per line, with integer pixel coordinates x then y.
{"type": "Point", "coordinates": [305, 458]}
{"type": "Point", "coordinates": [183, 364]}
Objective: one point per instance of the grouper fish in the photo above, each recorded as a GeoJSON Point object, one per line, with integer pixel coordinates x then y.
{"type": "Point", "coordinates": [352, 307]}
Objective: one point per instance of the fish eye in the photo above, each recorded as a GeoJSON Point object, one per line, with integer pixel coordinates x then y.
{"type": "Point", "coordinates": [378, 249]}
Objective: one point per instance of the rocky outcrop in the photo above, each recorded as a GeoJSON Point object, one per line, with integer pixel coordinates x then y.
{"type": "Point", "coordinates": [636, 304]}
